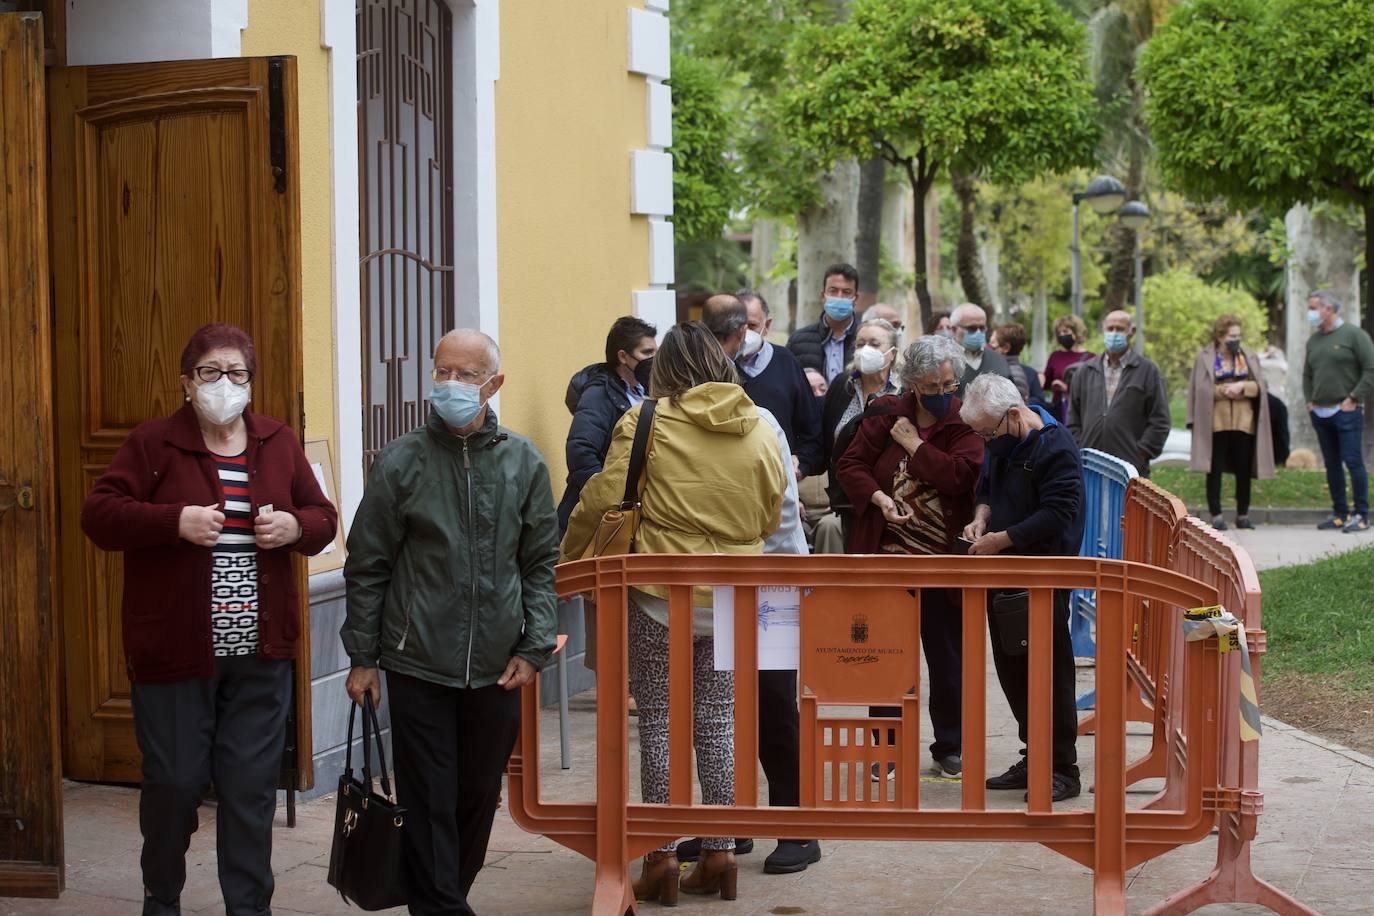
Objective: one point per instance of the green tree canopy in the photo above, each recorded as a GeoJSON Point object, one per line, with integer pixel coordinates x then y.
{"type": "Point", "coordinates": [1267, 102]}
{"type": "Point", "coordinates": [996, 88]}
{"type": "Point", "coordinates": [705, 184]}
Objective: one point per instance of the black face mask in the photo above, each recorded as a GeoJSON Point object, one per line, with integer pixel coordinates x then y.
{"type": "Point", "coordinates": [1233, 346]}
{"type": "Point", "coordinates": [642, 370]}
{"type": "Point", "coordinates": [1066, 341]}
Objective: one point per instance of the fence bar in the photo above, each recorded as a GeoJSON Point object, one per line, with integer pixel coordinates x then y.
{"type": "Point", "coordinates": [746, 695]}
{"type": "Point", "coordinates": [973, 723]}
{"type": "Point", "coordinates": [680, 693]}
{"type": "Point", "coordinates": [1039, 732]}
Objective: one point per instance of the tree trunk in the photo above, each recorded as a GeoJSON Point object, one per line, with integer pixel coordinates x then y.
{"type": "Point", "coordinates": [768, 235]}
{"type": "Point", "coordinates": [921, 175]}
{"type": "Point", "coordinates": [869, 225]}
{"type": "Point", "coordinates": [1040, 325]}
{"type": "Point", "coordinates": [1322, 256]}
{"type": "Point", "coordinates": [825, 236]}
{"type": "Point", "coordinates": [970, 266]}
{"type": "Point", "coordinates": [1121, 272]}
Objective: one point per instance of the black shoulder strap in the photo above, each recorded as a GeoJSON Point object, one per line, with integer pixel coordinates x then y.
{"type": "Point", "coordinates": [638, 453]}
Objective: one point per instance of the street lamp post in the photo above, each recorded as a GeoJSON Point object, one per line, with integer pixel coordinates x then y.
{"type": "Point", "coordinates": [1134, 215]}
{"type": "Point", "coordinates": [1104, 194]}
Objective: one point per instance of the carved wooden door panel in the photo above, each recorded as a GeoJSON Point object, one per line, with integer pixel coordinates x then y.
{"type": "Point", "coordinates": [30, 777]}
{"type": "Point", "coordinates": [174, 203]}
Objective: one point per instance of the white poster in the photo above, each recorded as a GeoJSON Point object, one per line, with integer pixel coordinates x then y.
{"type": "Point", "coordinates": [779, 616]}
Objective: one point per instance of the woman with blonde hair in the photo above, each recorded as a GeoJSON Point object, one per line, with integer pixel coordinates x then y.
{"type": "Point", "coordinates": [715, 477]}
{"type": "Point", "coordinates": [1228, 405]}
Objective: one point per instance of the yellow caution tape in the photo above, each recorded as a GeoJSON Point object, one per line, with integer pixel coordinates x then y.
{"type": "Point", "coordinates": [1205, 622]}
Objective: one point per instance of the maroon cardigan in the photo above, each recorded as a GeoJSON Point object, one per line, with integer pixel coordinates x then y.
{"type": "Point", "coordinates": [949, 459]}
{"type": "Point", "coordinates": [135, 507]}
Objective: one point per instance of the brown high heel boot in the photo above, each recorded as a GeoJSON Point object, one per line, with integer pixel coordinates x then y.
{"type": "Point", "coordinates": [658, 878]}
{"type": "Point", "coordinates": [715, 871]}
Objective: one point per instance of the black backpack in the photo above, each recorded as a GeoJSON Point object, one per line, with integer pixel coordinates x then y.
{"type": "Point", "coordinates": [839, 500]}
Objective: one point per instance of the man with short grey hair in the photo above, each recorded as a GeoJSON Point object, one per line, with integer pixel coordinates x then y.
{"type": "Point", "coordinates": [1337, 376]}
{"type": "Point", "coordinates": [1118, 402]}
{"type": "Point", "coordinates": [969, 324]}
{"type": "Point", "coordinates": [450, 590]}
{"type": "Point", "coordinates": [1029, 503]}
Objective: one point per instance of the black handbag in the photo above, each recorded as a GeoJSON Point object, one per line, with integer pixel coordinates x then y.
{"type": "Point", "coordinates": [366, 862]}
{"type": "Point", "coordinates": [1011, 620]}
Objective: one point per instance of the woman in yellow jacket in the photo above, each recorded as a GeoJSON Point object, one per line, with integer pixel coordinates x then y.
{"type": "Point", "coordinates": [714, 483]}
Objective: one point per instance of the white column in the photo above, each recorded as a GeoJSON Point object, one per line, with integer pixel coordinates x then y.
{"type": "Point", "coordinates": [651, 169]}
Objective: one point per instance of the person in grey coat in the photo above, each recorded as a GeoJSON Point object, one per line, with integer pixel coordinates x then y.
{"type": "Point", "coordinates": [1118, 403]}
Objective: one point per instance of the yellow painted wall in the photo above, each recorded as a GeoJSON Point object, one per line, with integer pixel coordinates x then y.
{"type": "Point", "coordinates": [293, 28]}
{"type": "Point", "coordinates": [569, 254]}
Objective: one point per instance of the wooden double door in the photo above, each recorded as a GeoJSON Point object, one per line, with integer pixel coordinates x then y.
{"type": "Point", "coordinates": [170, 201]}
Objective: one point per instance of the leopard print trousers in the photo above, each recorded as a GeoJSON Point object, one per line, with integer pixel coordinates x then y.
{"type": "Point", "coordinates": [713, 717]}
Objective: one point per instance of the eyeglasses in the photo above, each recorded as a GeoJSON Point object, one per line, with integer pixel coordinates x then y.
{"type": "Point", "coordinates": [974, 327]}
{"type": "Point", "coordinates": [443, 374]}
{"type": "Point", "coordinates": [948, 388]}
{"type": "Point", "coordinates": [989, 435]}
{"type": "Point", "coordinates": [214, 374]}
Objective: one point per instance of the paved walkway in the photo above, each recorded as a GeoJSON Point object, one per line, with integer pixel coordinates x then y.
{"type": "Point", "coordinates": [1314, 842]}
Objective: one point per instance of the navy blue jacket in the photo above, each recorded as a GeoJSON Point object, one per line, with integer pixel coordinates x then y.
{"type": "Point", "coordinates": [783, 390]}
{"type": "Point", "coordinates": [1036, 492]}
{"type": "Point", "coordinates": [600, 407]}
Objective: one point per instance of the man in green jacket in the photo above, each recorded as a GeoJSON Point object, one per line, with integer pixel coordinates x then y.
{"type": "Point", "coordinates": [450, 589]}
{"type": "Point", "coordinates": [1337, 375]}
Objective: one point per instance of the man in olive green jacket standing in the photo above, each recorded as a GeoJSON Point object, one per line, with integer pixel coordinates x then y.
{"type": "Point", "coordinates": [1337, 376]}
{"type": "Point", "coordinates": [450, 589]}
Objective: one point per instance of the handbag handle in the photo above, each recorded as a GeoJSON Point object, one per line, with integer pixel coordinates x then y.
{"type": "Point", "coordinates": [639, 454]}
{"type": "Point", "coordinates": [370, 710]}
{"type": "Point", "coordinates": [372, 729]}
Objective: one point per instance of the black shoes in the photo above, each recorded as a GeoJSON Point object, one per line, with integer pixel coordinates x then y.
{"type": "Point", "coordinates": [1013, 778]}
{"type": "Point", "coordinates": [950, 766]}
{"type": "Point", "coordinates": [690, 850]}
{"type": "Point", "coordinates": [1066, 786]}
{"type": "Point", "coordinates": [792, 856]}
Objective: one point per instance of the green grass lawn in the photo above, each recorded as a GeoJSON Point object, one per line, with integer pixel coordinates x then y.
{"type": "Point", "coordinates": [1320, 619]}
{"type": "Point", "coordinates": [1289, 488]}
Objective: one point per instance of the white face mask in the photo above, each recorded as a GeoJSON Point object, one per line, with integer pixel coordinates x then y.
{"type": "Point", "coordinates": [222, 401]}
{"type": "Point", "coordinates": [753, 343]}
{"type": "Point", "coordinates": [868, 359]}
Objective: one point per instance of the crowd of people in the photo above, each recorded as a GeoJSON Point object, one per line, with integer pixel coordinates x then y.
{"type": "Point", "coordinates": [846, 440]}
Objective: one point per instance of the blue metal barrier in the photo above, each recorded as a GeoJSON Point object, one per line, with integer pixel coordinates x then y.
{"type": "Point", "coordinates": [1104, 490]}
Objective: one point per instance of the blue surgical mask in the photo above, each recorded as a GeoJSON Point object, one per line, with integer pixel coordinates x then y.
{"type": "Point", "coordinates": [1114, 341]}
{"type": "Point", "coordinates": [839, 309]}
{"type": "Point", "coordinates": [937, 404]}
{"type": "Point", "coordinates": [1314, 317]}
{"type": "Point", "coordinates": [457, 403]}
{"type": "Point", "coordinates": [975, 340]}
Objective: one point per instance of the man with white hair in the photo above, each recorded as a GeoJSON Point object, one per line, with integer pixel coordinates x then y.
{"type": "Point", "coordinates": [450, 590]}
{"type": "Point", "coordinates": [1118, 402]}
{"type": "Point", "coordinates": [1029, 503]}
{"type": "Point", "coordinates": [970, 326]}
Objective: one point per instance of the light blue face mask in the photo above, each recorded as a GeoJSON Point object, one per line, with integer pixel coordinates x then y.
{"type": "Point", "coordinates": [456, 403]}
{"type": "Point", "coordinates": [1114, 341]}
{"type": "Point", "coordinates": [839, 309]}
{"type": "Point", "coordinates": [1314, 317]}
{"type": "Point", "coordinates": [975, 341]}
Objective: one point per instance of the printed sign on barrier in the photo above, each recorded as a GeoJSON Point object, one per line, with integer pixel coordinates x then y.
{"type": "Point", "coordinates": [873, 642]}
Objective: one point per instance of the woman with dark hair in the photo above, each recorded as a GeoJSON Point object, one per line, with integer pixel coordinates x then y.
{"type": "Point", "coordinates": [598, 396]}
{"type": "Point", "coordinates": [207, 506]}
{"type": "Point", "coordinates": [714, 483]}
{"type": "Point", "coordinates": [1228, 409]}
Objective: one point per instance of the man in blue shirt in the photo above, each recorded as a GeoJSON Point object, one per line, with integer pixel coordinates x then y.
{"type": "Point", "coordinates": [1029, 502]}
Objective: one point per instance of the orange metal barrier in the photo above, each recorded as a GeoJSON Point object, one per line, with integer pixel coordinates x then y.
{"type": "Point", "coordinates": [836, 754]}
{"type": "Point", "coordinates": [1201, 553]}
{"type": "Point", "coordinates": [1148, 524]}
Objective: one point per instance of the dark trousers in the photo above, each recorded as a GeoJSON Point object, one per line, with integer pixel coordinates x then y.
{"type": "Point", "coordinates": [1234, 451]}
{"type": "Point", "coordinates": [780, 737]}
{"type": "Point", "coordinates": [451, 746]}
{"type": "Point", "coordinates": [942, 639]}
{"type": "Point", "coordinates": [1340, 438]}
{"type": "Point", "coordinates": [228, 729]}
{"type": "Point", "coordinates": [1013, 672]}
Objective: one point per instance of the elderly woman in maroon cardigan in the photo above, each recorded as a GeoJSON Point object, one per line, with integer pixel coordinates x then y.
{"type": "Point", "coordinates": [207, 506]}
{"type": "Point", "coordinates": [910, 475]}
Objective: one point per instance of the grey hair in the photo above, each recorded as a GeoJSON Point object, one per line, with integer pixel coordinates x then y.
{"type": "Point", "coordinates": [989, 396]}
{"type": "Point", "coordinates": [493, 351]}
{"type": "Point", "coordinates": [965, 308]}
{"type": "Point", "coordinates": [1326, 298]}
{"type": "Point", "coordinates": [746, 294]}
{"type": "Point", "coordinates": [925, 355]}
